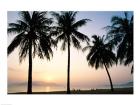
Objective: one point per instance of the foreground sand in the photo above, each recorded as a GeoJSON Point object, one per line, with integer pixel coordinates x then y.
{"type": "Point", "coordinates": [97, 91]}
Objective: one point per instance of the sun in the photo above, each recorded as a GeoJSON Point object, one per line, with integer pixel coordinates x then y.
{"type": "Point", "coordinates": [49, 78]}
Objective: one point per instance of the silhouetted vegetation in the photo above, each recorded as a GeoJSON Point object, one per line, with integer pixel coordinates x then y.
{"type": "Point", "coordinates": [100, 54]}
{"type": "Point", "coordinates": [32, 38]}
{"type": "Point", "coordinates": [120, 34]}
{"type": "Point", "coordinates": [66, 30]}
{"type": "Point", "coordinates": [35, 32]}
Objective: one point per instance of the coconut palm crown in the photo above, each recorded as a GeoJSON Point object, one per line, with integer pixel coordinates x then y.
{"type": "Point", "coordinates": [100, 55]}
{"type": "Point", "coordinates": [32, 38]}
{"type": "Point", "coordinates": [66, 30]}
{"type": "Point", "coordinates": [120, 33]}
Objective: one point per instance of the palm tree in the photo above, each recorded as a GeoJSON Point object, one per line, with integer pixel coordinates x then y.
{"type": "Point", "coordinates": [66, 30]}
{"type": "Point", "coordinates": [120, 33]}
{"type": "Point", "coordinates": [100, 54]}
{"type": "Point", "coordinates": [32, 38]}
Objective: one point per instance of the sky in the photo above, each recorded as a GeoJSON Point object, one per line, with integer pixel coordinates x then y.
{"type": "Point", "coordinates": [47, 75]}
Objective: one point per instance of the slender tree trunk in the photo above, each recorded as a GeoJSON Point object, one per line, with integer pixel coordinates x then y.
{"type": "Point", "coordinates": [68, 68]}
{"type": "Point", "coordinates": [29, 91]}
{"type": "Point", "coordinates": [132, 69]}
{"type": "Point", "coordinates": [112, 89]}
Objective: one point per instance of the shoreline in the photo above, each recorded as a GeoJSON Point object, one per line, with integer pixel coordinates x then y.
{"type": "Point", "coordinates": [128, 90]}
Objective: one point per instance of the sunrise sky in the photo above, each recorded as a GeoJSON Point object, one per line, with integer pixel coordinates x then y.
{"type": "Point", "coordinates": [49, 75]}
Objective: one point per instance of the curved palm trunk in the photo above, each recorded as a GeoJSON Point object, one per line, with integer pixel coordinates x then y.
{"type": "Point", "coordinates": [68, 68]}
{"type": "Point", "coordinates": [29, 91]}
{"type": "Point", "coordinates": [112, 89]}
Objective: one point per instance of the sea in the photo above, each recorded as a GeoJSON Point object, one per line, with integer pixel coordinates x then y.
{"type": "Point", "coordinates": [23, 88]}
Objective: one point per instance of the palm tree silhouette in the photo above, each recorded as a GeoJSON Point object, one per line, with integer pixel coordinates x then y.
{"type": "Point", "coordinates": [120, 33]}
{"type": "Point", "coordinates": [67, 31]}
{"type": "Point", "coordinates": [32, 37]}
{"type": "Point", "coordinates": [100, 54]}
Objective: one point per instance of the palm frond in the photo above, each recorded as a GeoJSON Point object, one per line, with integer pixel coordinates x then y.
{"type": "Point", "coordinates": [23, 49]}
{"type": "Point", "coordinates": [76, 42]}
{"type": "Point", "coordinates": [81, 36]}
{"type": "Point", "coordinates": [80, 23]}
{"type": "Point", "coordinates": [45, 49]}
{"type": "Point", "coordinates": [100, 53]}
{"type": "Point", "coordinates": [15, 43]}
{"type": "Point", "coordinates": [86, 48]}
{"type": "Point", "coordinates": [55, 14]}
{"type": "Point", "coordinates": [15, 28]}
{"type": "Point", "coordinates": [25, 16]}
{"type": "Point", "coordinates": [66, 28]}
{"type": "Point", "coordinates": [64, 45]}
{"type": "Point", "coordinates": [120, 33]}
{"type": "Point", "coordinates": [33, 27]}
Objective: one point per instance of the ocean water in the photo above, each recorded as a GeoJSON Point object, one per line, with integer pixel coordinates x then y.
{"type": "Point", "coordinates": [23, 88]}
{"type": "Point", "coordinates": [14, 89]}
